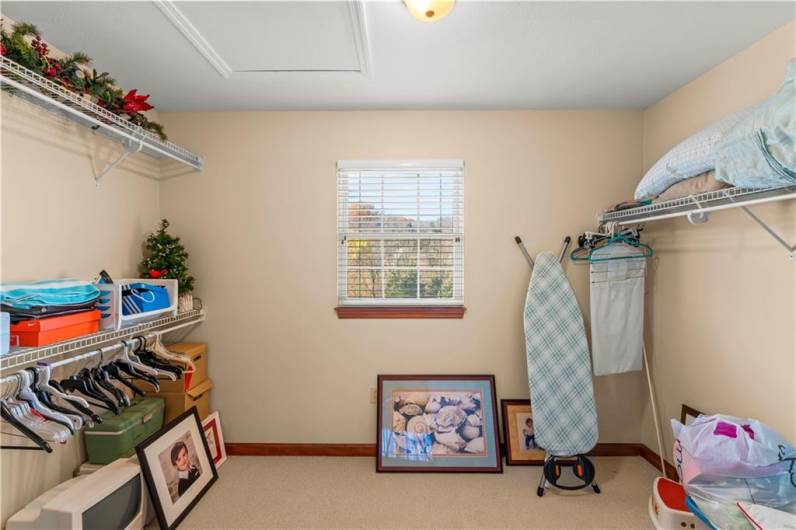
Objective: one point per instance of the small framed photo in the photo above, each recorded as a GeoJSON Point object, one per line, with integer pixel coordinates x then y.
{"type": "Point", "coordinates": [178, 467]}
{"type": "Point", "coordinates": [437, 423]}
{"type": "Point", "coordinates": [519, 434]}
{"type": "Point", "coordinates": [688, 415]}
{"type": "Point", "coordinates": [215, 438]}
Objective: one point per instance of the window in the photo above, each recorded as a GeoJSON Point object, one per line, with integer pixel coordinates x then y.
{"type": "Point", "coordinates": [400, 228]}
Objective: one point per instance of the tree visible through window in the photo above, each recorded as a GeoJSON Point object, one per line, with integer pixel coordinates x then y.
{"type": "Point", "coordinates": [400, 232]}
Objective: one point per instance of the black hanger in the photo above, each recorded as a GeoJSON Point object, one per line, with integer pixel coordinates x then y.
{"type": "Point", "coordinates": [78, 383]}
{"type": "Point", "coordinates": [77, 405]}
{"type": "Point", "coordinates": [132, 372]}
{"type": "Point", "coordinates": [113, 371]}
{"type": "Point", "coordinates": [41, 443]}
{"type": "Point", "coordinates": [149, 359]}
{"type": "Point", "coordinates": [103, 380]}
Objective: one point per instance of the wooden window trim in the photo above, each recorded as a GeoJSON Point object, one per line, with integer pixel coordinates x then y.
{"type": "Point", "coordinates": [384, 312]}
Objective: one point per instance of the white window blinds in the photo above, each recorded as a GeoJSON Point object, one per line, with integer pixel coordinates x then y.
{"type": "Point", "coordinates": [400, 229]}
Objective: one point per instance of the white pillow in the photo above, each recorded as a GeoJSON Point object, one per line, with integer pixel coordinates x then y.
{"type": "Point", "coordinates": [694, 155]}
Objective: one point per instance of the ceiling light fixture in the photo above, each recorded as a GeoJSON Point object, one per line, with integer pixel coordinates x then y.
{"type": "Point", "coordinates": [429, 10]}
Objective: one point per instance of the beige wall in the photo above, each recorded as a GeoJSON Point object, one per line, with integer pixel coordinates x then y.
{"type": "Point", "coordinates": [260, 224]}
{"type": "Point", "coordinates": [55, 223]}
{"type": "Point", "coordinates": [721, 301]}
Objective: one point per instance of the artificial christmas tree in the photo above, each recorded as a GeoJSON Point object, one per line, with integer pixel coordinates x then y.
{"type": "Point", "coordinates": [166, 257]}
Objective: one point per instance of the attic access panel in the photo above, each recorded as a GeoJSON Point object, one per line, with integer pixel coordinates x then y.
{"type": "Point", "coordinates": [278, 36]}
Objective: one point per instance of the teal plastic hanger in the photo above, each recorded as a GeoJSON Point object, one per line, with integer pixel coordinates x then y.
{"type": "Point", "coordinates": [578, 253]}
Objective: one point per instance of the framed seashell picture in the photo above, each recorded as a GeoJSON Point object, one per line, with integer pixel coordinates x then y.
{"type": "Point", "coordinates": [437, 423]}
{"type": "Point", "coordinates": [519, 433]}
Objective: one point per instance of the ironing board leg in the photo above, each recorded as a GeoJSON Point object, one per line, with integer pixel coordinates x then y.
{"type": "Point", "coordinates": [595, 487]}
{"type": "Point", "coordinates": [542, 484]}
{"type": "Point", "coordinates": [543, 480]}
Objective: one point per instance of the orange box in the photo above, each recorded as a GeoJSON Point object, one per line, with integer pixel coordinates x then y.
{"type": "Point", "coordinates": [43, 331]}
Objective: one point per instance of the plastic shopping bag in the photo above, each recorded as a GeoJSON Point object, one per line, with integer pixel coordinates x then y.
{"type": "Point", "coordinates": [731, 447]}
{"type": "Point", "coordinates": [722, 460]}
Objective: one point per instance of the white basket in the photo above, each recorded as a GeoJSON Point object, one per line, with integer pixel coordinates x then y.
{"type": "Point", "coordinates": [112, 318]}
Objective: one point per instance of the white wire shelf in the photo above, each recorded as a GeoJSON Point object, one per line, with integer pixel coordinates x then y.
{"type": "Point", "coordinates": [63, 102]}
{"type": "Point", "coordinates": [697, 204]}
{"type": "Point", "coordinates": [20, 357]}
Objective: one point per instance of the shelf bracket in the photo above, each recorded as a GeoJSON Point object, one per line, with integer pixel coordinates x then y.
{"type": "Point", "coordinates": [130, 148]}
{"type": "Point", "coordinates": [790, 248]}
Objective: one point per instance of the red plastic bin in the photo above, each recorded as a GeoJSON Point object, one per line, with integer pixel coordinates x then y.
{"type": "Point", "coordinates": [43, 331]}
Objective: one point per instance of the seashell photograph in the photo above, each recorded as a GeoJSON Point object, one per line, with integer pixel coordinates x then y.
{"type": "Point", "coordinates": [452, 419]}
{"type": "Point", "coordinates": [437, 423]}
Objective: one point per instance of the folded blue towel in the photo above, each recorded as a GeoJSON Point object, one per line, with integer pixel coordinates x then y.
{"type": "Point", "coordinates": [27, 295]}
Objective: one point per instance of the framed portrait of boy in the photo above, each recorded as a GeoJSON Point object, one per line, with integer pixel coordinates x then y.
{"type": "Point", "coordinates": [519, 434]}
{"type": "Point", "coordinates": [177, 467]}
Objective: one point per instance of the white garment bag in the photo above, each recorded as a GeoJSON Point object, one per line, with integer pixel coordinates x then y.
{"type": "Point", "coordinates": [617, 309]}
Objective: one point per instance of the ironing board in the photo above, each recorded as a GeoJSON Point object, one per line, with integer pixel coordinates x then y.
{"type": "Point", "coordinates": [559, 367]}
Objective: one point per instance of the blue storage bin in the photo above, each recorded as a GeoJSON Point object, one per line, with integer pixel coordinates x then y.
{"type": "Point", "coordinates": [5, 336]}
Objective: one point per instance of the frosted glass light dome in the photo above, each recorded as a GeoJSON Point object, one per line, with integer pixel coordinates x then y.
{"type": "Point", "coordinates": [429, 10]}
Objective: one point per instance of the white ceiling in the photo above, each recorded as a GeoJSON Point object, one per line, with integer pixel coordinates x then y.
{"type": "Point", "coordinates": [341, 55]}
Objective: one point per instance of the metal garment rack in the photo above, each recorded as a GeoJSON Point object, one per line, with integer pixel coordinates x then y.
{"type": "Point", "coordinates": [22, 357]}
{"type": "Point", "coordinates": [55, 98]}
{"type": "Point", "coordinates": [697, 208]}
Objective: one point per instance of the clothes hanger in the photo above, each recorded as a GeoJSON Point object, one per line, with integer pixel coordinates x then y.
{"type": "Point", "coordinates": [131, 359]}
{"type": "Point", "coordinates": [79, 383]}
{"type": "Point", "coordinates": [103, 380]}
{"type": "Point", "coordinates": [25, 393]}
{"type": "Point", "coordinates": [77, 402]}
{"type": "Point", "coordinates": [98, 389]}
{"type": "Point", "coordinates": [40, 442]}
{"type": "Point", "coordinates": [589, 242]}
{"type": "Point", "coordinates": [132, 372]}
{"type": "Point", "coordinates": [35, 421]}
{"type": "Point", "coordinates": [44, 397]}
{"type": "Point", "coordinates": [113, 371]}
{"type": "Point", "coordinates": [148, 358]}
{"type": "Point", "coordinates": [162, 351]}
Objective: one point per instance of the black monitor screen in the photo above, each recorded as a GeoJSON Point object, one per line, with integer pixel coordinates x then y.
{"type": "Point", "coordinates": [117, 510]}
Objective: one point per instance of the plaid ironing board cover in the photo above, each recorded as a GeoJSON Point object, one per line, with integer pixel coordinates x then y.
{"type": "Point", "coordinates": [559, 366]}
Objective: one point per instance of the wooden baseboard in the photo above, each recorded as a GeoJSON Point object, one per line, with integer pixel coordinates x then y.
{"type": "Point", "coordinates": [300, 449]}
{"type": "Point", "coordinates": [652, 457]}
{"type": "Point", "coordinates": [289, 449]}
{"type": "Point", "coordinates": [616, 449]}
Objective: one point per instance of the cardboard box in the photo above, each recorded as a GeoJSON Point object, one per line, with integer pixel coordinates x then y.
{"type": "Point", "coordinates": [179, 402]}
{"type": "Point", "coordinates": [198, 353]}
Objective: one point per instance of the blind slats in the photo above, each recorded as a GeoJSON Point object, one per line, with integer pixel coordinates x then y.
{"type": "Point", "coordinates": [400, 233]}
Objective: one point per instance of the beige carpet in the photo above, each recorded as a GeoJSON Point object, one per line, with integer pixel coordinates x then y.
{"type": "Point", "coordinates": [318, 492]}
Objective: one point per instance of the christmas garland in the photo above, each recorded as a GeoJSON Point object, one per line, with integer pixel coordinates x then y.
{"type": "Point", "coordinates": [24, 46]}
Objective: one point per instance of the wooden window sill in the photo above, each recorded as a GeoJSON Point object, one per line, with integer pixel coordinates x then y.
{"type": "Point", "coordinates": [400, 311]}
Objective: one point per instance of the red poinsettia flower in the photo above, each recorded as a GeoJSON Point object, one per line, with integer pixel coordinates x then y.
{"type": "Point", "coordinates": [2, 50]}
{"type": "Point", "coordinates": [135, 103]}
{"type": "Point", "coordinates": [52, 70]}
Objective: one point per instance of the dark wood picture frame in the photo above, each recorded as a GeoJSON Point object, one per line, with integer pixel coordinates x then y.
{"type": "Point", "coordinates": [511, 458]}
{"type": "Point", "coordinates": [686, 411]}
{"type": "Point", "coordinates": [144, 462]}
{"type": "Point", "coordinates": [489, 379]}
